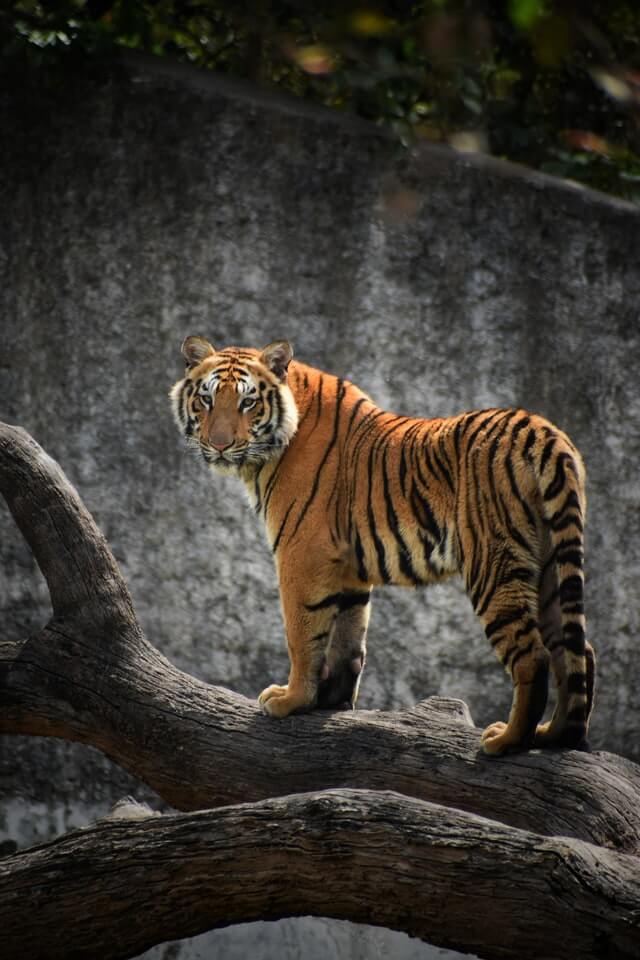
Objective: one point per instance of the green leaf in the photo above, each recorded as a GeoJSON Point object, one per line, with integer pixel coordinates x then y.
{"type": "Point", "coordinates": [525, 13]}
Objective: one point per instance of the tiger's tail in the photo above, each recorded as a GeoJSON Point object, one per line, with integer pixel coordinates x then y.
{"type": "Point", "coordinates": [561, 479]}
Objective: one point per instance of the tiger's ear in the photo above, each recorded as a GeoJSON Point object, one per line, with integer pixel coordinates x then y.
{"type": "Point", "coordinates": [277, 356]}
{"type": "Point", "coordinates": [195, 350]}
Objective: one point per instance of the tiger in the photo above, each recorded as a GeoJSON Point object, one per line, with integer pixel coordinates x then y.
{"type": "Point", "coordinates": [354, 497]}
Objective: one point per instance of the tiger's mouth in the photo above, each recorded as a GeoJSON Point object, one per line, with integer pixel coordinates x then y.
{"type": "Point", "coordinates": [223, 459]}
{"type": "Point", "coordinates": [236, 457]}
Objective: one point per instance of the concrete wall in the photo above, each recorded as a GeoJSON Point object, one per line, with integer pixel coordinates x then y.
{"type": "Point", "coordinates": [157, 202]}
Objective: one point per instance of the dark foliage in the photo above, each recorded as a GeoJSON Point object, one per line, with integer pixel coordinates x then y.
{"type": "Point", "coordinates": [554, 84]}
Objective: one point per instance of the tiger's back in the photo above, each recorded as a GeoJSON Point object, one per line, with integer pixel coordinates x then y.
{"type": "Point", "coordinates": [358, 497]}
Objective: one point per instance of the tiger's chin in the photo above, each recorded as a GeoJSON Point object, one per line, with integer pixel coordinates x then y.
{"type": "Point", "coordinates": [223, 466]}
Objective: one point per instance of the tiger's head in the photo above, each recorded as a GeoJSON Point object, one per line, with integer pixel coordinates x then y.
{"type": "Point", "coordinates": [234, 405]}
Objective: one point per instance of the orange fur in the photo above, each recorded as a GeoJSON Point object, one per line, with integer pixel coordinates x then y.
{"type": "Point", "coordinates": [354, 497]}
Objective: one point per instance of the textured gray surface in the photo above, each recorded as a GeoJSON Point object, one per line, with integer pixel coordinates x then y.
{"type": "Point", "coordinates": [162, 203]}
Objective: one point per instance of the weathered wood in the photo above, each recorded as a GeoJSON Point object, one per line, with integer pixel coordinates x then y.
{"type": "Point", "coordinates": [91, 676]}
{"type": "Point", "coordinates": [83, 578]}
{"type": "Point", "coordinates": [115, 888]}
{"type": "Point", "coordinates": [202, 746]}
{"type": "Point", "coordinates": [468, 852]}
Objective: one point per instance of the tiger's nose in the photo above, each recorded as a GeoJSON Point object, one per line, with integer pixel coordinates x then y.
{"type": "Point", "coordinates": [221, 444]}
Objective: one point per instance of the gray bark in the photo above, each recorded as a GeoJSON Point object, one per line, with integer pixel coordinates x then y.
{"type": "Point", "coordinates": [446, 876]}
{"type": "Point", "coordinates": [491, 856]}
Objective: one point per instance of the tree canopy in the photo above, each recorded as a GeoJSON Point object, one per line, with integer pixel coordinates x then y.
{"type": "Point", "coordinates": [554, 84]}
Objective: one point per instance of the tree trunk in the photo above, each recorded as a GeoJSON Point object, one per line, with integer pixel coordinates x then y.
{"type": "Point", "coordinates": [425, 862]}
{"type": "Point", "coordinates": [116, 887]}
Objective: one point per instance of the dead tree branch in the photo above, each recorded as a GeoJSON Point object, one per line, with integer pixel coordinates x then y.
{"type": "Point", "coordinates": [429, 868]}
{"type": "Point", "coordinates": [115, 888]}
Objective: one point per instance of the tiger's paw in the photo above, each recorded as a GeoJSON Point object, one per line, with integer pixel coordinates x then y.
{"type": "Point", "coordinates": [278, 701]}
{"type": "Point", "coordinates": [548, 736]}
{"type": "Point", "coordinates": [339, 682]}
{"type": "Point", "coordinates": [495, 739]}
{"type": "Point", "coordinates": [544, 735]}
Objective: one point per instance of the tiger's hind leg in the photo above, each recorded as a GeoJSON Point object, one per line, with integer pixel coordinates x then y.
{"type": "Point", "coordinates": [550, 622]}
{"type": "Point", "coordinates": [344, 659]}
{"type": "Point", "coordinates": [562, 625]}
{"type": "Point", "coordinates": [510, 621]}
{"type": "Point", "coordinates": [557, 732]}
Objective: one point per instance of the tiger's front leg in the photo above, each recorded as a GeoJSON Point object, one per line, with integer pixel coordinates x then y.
{"type": "Point", "coordinates": [311, 617]}
{"type": "Point", "coordinates": [345, 656]}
